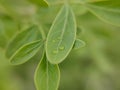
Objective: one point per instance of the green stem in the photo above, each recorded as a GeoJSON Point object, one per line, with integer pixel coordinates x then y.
{"type": "Point", "coordinates": [42, 32]}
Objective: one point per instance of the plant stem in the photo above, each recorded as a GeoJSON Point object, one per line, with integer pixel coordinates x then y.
{"type": "Point", "coordinates": [42, 32]}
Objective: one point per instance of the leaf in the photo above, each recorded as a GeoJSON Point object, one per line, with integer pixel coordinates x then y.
{"type": "Point", "coordinates": [61, 36]}
{"type": "Point", "coordinates": [47, 76]}
{"type": "Point", "coordinates": [41, 3]}
{"type": "Point", "coordinates": [22, 38]}
{"type": "Point", "coordinates": [26, 52]}
{"type": "Point", "coordinates": [78, 44]}
{"type": "Point", "coordinates": [108, 11]}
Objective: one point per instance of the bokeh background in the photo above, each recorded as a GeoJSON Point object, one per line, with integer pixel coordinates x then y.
{"type": "Point", "coordinates": [93, 67]}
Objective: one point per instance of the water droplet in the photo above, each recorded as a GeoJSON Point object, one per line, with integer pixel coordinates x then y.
{"type": "Point", "coordinates": [61, 47]}
{"type": "Point", "coordinates": [55, 51]}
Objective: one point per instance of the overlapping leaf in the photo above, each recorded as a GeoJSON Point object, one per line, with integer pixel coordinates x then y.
{"type": "Point", "coordinates": [78, 44]}
{"type": "Point", "coordinates": [108, 11]}
{"type": "Point", "coordinates": [61, 36]}
{"type": "Point", "coordinates": [22, 38]}
{"type": "Point", "coordinates": [26, 52]}
{"type": "Point", "coordinates": [47, 76]}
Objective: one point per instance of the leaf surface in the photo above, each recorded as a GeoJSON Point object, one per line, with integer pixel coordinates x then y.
{"type": "Point", "coordinates": [26, 52]}
{"type": "Point", "coordinates": [108, 11]}
{"type": "Point", "coordinates": [61, 36]}
{"type": "Point", "coordinates": [22, 38]}
{"type": "Point", "coordinates": [78, 44]}
{"type": "Point", "coordinates": [47, 76]}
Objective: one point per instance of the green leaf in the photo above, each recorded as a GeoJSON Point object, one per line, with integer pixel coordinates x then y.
{"type": "Point", "coordinates": [78, 44]}
{"type": "Point", "coordinates": [22, 38]}
{"type": "Point", "coordinates": [26, 52]}
{"type": "Point", "coordinates": [61, 36]}
{"type": "Point", "coordinates": [108, 11]}
{"type": "Point", "coordinates": [41, 3]}
{"type": "Point", "coordinates": [47, 76]}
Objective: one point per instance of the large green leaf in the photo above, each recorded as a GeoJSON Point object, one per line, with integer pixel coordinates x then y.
{"type": "Point", "coordinates": [42, 3]}
{"type": "Point", "coordinates": [47, 76]}
{"type": "Point", "coordinates": [61, 36]}
{"type": "Point", "coordinates": [108, 11]}
{"type": "Point", "coordinates": [24, 37]}
{"type": "Point", "coordinates": [26, 52]}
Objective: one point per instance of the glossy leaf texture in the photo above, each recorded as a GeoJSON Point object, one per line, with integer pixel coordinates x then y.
{"type": "Point", "coordinates": [78, 44]}
{"type": "Point", "coordinates": [22, 38]}
{"type": "Point", "coordinates": [108, 11]}
{"type": "Point", "coordinates": [26, 52]}
{"type": "Point", "coordinates": [61, 36]}
{"type": "Point", "coordinates": [47, 76]}
{"type": "Point", "coordinates": [41, 3]}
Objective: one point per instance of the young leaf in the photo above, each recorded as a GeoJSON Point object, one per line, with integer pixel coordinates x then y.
{"type": "Point", "coordinates": [108, 11]}
{"type": "Point", "coordinates": [41, 3]}
{"type": "Point", "coordinates": [24, 37]}
{"type": "Point", "coordinates": [61, 36]}
{"type": "Point", "coordinates": [26, 52]}
{"type": "Point", "coordinates": [78, 44]}
{"type": "Point", "coordinates": [47, 76]}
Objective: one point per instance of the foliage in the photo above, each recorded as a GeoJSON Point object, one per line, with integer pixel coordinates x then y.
{"type": "Point", "coordinates": [80, 36]}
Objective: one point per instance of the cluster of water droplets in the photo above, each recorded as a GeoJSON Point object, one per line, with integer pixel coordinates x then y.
{"type": "Point", "coordinates": [60, 48]}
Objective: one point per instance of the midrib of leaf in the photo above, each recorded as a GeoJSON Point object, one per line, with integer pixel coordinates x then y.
{"type": "Point", "coordinates": [27, 51]}
{"type": "Point", "coordinates": [33, 48]}
{"type": "Point", "coordinates": [63, 30]}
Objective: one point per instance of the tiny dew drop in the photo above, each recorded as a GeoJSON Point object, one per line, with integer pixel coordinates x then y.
{"type": "Point", "coordinates": [55, 51]}
{"type": "Point", "coordinates": [61, 47]}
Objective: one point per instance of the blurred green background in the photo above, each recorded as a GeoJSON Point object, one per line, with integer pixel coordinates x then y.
{"type": "Point", "coordinates": [93, 67]}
